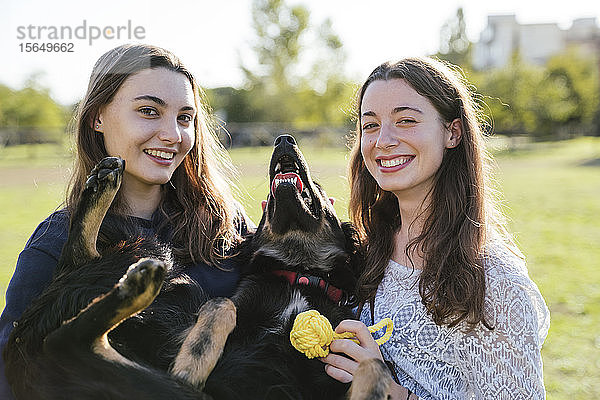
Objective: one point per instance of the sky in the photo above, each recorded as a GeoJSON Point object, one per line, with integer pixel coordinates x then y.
{"type": "Point", "coordinates": [211, 37]}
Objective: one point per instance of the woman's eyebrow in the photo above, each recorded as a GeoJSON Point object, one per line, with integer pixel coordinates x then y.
{"type": "Point", "coordinates": [161, 102]}
{"type": "Point", "coordinates": [404, 108]}
{"type": "Point", "coordinates": [369, 114]}
{"type": "Point", "coordinates": [394, 111]}
{"type": "Point", "coordinates": [155, 99]}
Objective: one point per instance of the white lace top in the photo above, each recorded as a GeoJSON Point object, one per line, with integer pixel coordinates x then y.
{"type": "Point", "coordinates": [437, 362]}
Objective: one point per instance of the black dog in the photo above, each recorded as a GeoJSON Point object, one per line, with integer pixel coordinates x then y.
{"type": "Point", "coordinates": [60, 349]}
{"type": "Point", "coordinates": [302, 258]}
{"type": "Point", "coordinates": [77, 339]}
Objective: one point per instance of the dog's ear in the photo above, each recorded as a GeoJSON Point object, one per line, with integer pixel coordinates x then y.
{"type": "Point", "coordinates": [244, 250]}
{"type": "Point", "coordinates": [354, 248]}
{"type": "Point", "coordinates": [351, 235]}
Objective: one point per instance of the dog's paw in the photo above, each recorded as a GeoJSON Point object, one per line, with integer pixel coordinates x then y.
{"type": "Point", "coordinates": [372, 380]}
{"type": "Point", "coordinates": [143, 279]}
{"type": "Point", "coordinates": [106, 175]}
{"type": "Point", "coordinates": [205, 341]}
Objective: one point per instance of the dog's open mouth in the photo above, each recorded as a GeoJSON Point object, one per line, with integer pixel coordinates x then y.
{"type": "Point", "coordinates": [291, 178]}
{"type": "Point", "coordinates": [287, 172]}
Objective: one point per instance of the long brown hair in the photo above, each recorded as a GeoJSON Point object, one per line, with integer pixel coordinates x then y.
{"type": "Point", "coordinates": [197, 204]}
{"type": "Point", "coordinates": [452, 282]}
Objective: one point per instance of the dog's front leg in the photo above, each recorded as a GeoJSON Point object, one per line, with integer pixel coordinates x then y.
{"type": "Point", "coordinates": [372, 381]}
{"type": "Point", "coordinates": [205, 341]}
{"type": "Point", "coordinates": [89, 329]}
{"type": "Point", "coordinates": [100, 190]}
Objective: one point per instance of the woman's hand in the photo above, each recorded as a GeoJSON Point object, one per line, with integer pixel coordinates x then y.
{"type": "Point", "coordinates": [343, 365]}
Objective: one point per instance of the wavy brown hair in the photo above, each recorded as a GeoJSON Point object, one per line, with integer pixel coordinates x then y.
{"type": "Point", "coordinates": [198, 205]}
{"type": "Point", "coordinates": [459, 210]}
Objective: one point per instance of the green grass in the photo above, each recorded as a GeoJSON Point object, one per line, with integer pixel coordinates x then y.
{"type": "Point", "coordinates": [552, 193]}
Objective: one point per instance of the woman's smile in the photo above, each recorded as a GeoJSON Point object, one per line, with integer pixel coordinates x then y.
{"type": "Point", "coordinates": [161, 157]}
{"type": "Point", "coordinates": [393, 164]}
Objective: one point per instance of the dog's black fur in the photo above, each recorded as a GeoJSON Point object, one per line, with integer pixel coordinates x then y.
{"type": "Point", "coordinates": [299, 232]}
{"type": "Point", "coordinates": [59, 348]}
{"type": "Point", "coordinates": [47, 358]}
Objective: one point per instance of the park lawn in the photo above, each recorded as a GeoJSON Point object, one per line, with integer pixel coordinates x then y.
{"type": "Point", "coordinates": [552, 197]}
{"type": "Point", "coordinates": [553, 194]}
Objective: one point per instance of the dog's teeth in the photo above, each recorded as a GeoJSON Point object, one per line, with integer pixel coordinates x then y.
{"type": "Point", "coordinates": [289, 178]}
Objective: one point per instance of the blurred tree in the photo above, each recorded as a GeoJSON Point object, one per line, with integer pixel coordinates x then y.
{"type": "Point", "coordinates": [546, 102]}
{"type": "Point", "coordinates": [6, 93]}
{"type": "Point", "coordinates": [559, 99]}
{"type": "Point", "coordinates": [455, 46]}
{"type": "Point", "coordinates": [579, 76]}
{"type": "Point", "coordinates": [503, 89]}
{"type": "Point", "coordinates": [298, 74]}
{"type": "Point", "coordinates": [233, 104]}
{"type": "Point", "coordinates": [325, 92]}
{"type": "Point", "coordinates": [30, 114]}
{"type": "Point", "coordinates": [278, 30]}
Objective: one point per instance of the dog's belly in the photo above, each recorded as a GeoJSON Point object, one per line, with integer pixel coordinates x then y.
{"type": "Point", "coordinates": [259, 361]}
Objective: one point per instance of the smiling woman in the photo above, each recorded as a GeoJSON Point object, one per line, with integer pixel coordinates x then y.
{"type": "Point", "coordinates": [152, 132]}
{"type": "Point", "coordinates": [469, 322]}
{"type": "Point", "coordinates": [397, 137]}
{"type": "Point", "coordinates": [144, 106]}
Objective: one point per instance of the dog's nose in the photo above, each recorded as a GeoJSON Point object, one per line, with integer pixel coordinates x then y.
{"type": "Point", "coordinates": [289, 139]}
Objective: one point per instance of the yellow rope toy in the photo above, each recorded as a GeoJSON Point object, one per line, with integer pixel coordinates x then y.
{"type": "Point", "coordinates": [312, 333]}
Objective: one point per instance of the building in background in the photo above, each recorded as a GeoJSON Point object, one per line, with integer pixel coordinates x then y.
{"type": "Point", "coordinates": [535, 43]}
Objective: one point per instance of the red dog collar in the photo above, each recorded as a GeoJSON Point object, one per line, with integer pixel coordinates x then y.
{"type": "Point", "coordinates": [295, 278]}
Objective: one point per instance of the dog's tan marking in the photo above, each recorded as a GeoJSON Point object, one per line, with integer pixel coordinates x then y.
{"type": "Point", "coordinates": [92, 221]}
{"type": "Point", "coordinates": [205, 341]}
{"type": "Point", "coordinates": [140, 301]}
{"type": "Point", "coordinates": [91, 227]}
{"type": "Point", "coordinates": [136, 303]}
{"type": "Point", "coordinates": [372, 381]}
{"type": "Point", "coordinates": [102, 348]}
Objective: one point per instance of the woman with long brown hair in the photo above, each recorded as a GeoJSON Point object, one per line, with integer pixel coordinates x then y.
{"type": "Point", "coordinates": [144, 106]}
{"type": "Point", "coordinates": [469, 322]}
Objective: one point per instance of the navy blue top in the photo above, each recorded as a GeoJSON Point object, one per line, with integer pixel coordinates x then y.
{"type": "Point", "coordinates": [38, 260]}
